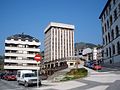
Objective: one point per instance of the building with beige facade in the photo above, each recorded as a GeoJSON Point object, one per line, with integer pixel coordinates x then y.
{"type": "Point", "coordinates": [59, 43]}
{"type": "Point", "coordinates": [110, 21]}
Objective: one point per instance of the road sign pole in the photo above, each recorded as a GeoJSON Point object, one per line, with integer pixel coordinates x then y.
{"type": "Point", "coordinates": [37, 58]}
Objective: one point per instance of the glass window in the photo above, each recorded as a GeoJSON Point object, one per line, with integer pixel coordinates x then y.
{"type": "Point", "coordinates": [119, 7]}
{"type": "Point", "coordinates": [102, 30]}
{"type": "Point", "coordinates": [117, 31]}
{"type": "Point", "coordinates": [105, 27]}
{"type": "Point", "coordinates": [111, 20]}
{"type": "Point", "coordinates": [114, 1]}
{"type": "Point", "coordinates": [106, 51]}
{"type": "Point", "coordinates": [115, 14]}
{"type": "Point", "coordinates": [109, 7]}
{"type": "Point", "coordinates": [106, 38]}
{"type": "Point", "coordinates": [109, 37]}
{"type": "Point", "coordinates": [110, 51]}
{"type": "Point", "coordinates": [112, 34]}
{"type": "Point", "coordinates": [103, 41]}
{"type": "Point", "coordinates": [113, 48]}
{"type": "Point", "coordinates": [107, 24]}
{"type": "Point", "coordinates": [118, 47]}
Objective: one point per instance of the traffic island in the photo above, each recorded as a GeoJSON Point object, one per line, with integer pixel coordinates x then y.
{"type": "Point", "coordinates": [72, 74]}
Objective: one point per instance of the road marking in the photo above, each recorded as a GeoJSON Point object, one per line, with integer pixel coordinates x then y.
{"type": "Point", "coordinates": [103, 87]}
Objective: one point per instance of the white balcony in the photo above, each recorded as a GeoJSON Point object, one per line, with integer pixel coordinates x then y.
{"type": "Point", "coordinates": [25, 49]}
{"type": "Point", "coordinates": [22, 67]}
{"type": "Point", "coordinates": [21, 61]}
{"type": "Point", "coordinates": [19, 55]}
{"type": "Point", "coordinates": [23, 42]}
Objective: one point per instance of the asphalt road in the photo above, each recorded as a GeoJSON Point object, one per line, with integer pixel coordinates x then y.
{"type": "Point", "coordinates": [107, 79]}
{"type": "Point", "coordinates": [12, 85]}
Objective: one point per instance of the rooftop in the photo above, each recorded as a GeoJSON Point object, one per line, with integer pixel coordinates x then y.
{"type": "Point", "coordinates": [23, 37]}
{"type": "Point", "coordinates": [108, 2]}
{"type": "Point", "coordinates": [62, 25]}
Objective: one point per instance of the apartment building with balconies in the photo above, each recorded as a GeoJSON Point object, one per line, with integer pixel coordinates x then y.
{"type": "Point", "coordinates": [110, 21]}
{"type": "Point", "coordinates": [20, 50]}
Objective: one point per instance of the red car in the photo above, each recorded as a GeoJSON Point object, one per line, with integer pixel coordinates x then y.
{"type": "Point", "coordinates": [97, 67]}
{"type": "Point", "coordinates": [9, 76]}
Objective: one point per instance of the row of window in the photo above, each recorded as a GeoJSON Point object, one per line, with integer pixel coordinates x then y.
{"type": "Point", "coordinates": [109, 8]}
{"type": "Point", "coordinates": [111, 19]}
{"type": "Point", "coordinates": [111, 35]}
{"type": "Point", "coordinates": [114, 49]}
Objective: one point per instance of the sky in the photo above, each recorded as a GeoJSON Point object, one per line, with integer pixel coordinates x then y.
{"type": "Point", "coordinates": [33, 16]}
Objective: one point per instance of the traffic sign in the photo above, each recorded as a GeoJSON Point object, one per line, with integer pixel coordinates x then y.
{"type": "Point", "coordinates": [38, 57]}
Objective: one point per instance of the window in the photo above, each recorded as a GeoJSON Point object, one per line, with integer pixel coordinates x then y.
{"type": "Point", "coordinates": [71, 64]}
{"type": "Point", "coordinates": [105, 27]}
{"type": "Point", "coordinates": [113, 48]}
{"type": "Point", "coordinates": [118, 47]}
{"type": "Point", "coordinates": [103, 41]}
{"type": "Point", "coordinates": [117, 31]}
{"type": "Point", "coordinates": [115, 14]}
{"type": "Point", "coordinates": [102, 30]}
{"type": "Point", "coordinates": [107, 52]}
{"type": "Point", "coordinates": [107, 24]}
{"type": "Point", "coordinates": [104, 15]}
{"type": "Point", "coordinates": [110, 51]}
{"type": "Point", "coordinates": [119, 7]}
{"type": "Point", "coordinates": [112, 34]}
{"type": "Point", "coordinates": [106, 38]}
{"type": "Point", "coordinates": [109, 37]}
{"type": "Point", "coordinates": [114, 1]}
{"type": "Point", "coordinates": [106, 11]}
{"type": "Point", "coordinates": [109, 7]}
{"type": "Point", "coordinates": [102, 53]}
{"type": "Point", "coordinates": [111, 20]}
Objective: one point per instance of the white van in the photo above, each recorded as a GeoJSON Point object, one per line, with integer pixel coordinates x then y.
{"type": "Point", "coordinates": [27, 77]}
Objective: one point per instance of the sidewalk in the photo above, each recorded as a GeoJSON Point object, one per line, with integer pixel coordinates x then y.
{"type": "Point", "coordinates": [95, 81]}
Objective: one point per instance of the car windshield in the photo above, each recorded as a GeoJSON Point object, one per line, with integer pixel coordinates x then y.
{"type": "Point", "coordinates": [30, 75]}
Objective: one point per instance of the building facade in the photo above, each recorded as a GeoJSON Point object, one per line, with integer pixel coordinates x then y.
{"type": "Point", "coordinates": [79, 47]}
{"type": "Point", "coordinates": [20, 50]}
{"type": "Point", "coordinates": [99, 54]}
{"type": "Point", "coordinates": [59, 43]}
{"type": "Point", "coordinates": [110, 19]}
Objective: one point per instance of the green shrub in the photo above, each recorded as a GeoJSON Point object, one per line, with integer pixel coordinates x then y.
{"type": "Point", "coordinates": [75, 74]}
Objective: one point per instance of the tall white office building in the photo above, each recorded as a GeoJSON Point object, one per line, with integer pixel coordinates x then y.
{"type": "Point", "coordinates": [59, 42]}
{"type": "Point", "coordinates": [20, 50]}
{"type": "Point", "coordinates": [110, 18]}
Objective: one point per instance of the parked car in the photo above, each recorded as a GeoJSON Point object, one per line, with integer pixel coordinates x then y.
{"type": "Point", "coordinates": [89, 64]}
{"type": "Point", "coordinates": [97, 67]}
{"type": "Point", "coordinates": [9, 76]}
{"type": "Point", "coordinates": [2, 75]}
{"type": "Point", "coordinates": [27, 77]}
{"type": "Point", "coordinates": [93, 65]}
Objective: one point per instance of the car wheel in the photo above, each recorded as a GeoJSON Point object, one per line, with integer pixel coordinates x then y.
{"type": "Point", "coordinates": [26, 84]}
{"type": "Point", "coordinates": [18, 82]}
{"type": "Point", "coordinates": [40, 84]}
{"type": "Point", "coordinates": [7, 79]}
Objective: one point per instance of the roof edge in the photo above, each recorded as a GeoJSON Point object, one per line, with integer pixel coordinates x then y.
{"type": "Point", "coordinates": [55, 24]}
{"type": "Point", "coordinates": [104, 8]}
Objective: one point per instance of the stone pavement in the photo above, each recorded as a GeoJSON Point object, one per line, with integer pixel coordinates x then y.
{"type": "Point", "coordinates": [95, 81]}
